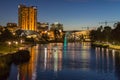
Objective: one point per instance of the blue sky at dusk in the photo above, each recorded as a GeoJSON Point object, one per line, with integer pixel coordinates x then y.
{"type": "Point", "coordinates": [73, 14]}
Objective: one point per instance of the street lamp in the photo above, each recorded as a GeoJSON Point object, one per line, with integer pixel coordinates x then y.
{"type": "Point", "coordinates": [45, 32]}
{"type": "Point", "coordinates": [60, 30]}
{"type": "Point", "coordinates": [9, 43]}
{"type": "Point", "coordinates": [21, 41]}
{"type": "Point", "coordinates": [16, 44]}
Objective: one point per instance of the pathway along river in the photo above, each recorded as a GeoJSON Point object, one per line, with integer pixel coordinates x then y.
{"type": "Point", "coordinates": [77, 61]}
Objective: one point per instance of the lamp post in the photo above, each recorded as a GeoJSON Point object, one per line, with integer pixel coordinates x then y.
{"type": "Point", "coordinates": [16, 44]}
{"type": "Point", "coordinates": [9, 43]}
{"type": "Point", "coordinates": [21, 41]}
{"type": "Point", "coordinates": [60, 31]}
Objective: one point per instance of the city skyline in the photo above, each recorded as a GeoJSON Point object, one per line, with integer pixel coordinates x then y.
{"type": "Point", "coordinates": [73, 14]}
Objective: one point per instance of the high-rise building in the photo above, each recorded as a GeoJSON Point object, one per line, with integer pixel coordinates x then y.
{"type": "Point", "coordinates": [27, 17]}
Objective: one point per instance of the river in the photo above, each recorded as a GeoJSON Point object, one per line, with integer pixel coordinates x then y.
{"type": "Point", "coordinates": [76, 61]}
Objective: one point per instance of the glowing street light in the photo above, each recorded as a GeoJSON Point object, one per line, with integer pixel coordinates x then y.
{"type": "Point", "coordinates": [16, 44]}
{"type": "Point", "coordinates": [21, 41]}
{"type": "Point", "coordinates": [60, 30]}
{"type": "Point", "coordinates": [9, 43]}
{"type": "Point", "coordinates": [45, 31]}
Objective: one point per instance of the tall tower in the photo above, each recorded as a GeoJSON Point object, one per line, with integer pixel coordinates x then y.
{"type": "Point", "coordinates": [27, 17]}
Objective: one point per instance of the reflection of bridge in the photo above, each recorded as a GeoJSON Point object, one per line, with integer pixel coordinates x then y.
{"type": "Point", "coordinates": [78, 35]}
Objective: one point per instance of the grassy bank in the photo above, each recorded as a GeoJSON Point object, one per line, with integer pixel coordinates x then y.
{"type": "Point", "coordinates": [98, 44]}
{"type": "Point", "coordinates": [6, 49]}
{"type": "Point", "coordinates": [117, 47]}
{"type": "Point", "coordinates": [111, 46]}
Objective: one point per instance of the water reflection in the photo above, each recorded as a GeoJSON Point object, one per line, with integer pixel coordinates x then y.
{"type": "Point", "coordinates": [77, 61]}
{"type": "Point", "coordinates": [105, 60]}
{"type": "Point", "coordinates": [5, 63]}
{"type": "Point", "coordinates": [117, 65]}
{"type": "Point", "coordinates": [27, 71]}
{"type": "Point", "coordinates": [55, 56]}
{"type": "Point", "coordinates": [51, 56]}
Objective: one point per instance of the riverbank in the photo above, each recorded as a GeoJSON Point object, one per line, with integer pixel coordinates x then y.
{"type": "Point", "coordinates": [105, 45]}
{"type": "Point", "coordinates": [22, 56]}
{"type": "Point", "coordinates": [10, 49]}
{"type": "Point", "coordinates": [97, 44]}
{"type": "Point", "coordinates": [7, 49]}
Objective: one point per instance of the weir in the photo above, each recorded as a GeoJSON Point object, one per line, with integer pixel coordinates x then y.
{"type": "Point", "coordinates": [65, 45]}
{"type": "Point", "coordinates": [65, 40]}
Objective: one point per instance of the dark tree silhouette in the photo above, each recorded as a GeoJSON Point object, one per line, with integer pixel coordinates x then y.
{"type": "Point", "coordinates": [6, 35]}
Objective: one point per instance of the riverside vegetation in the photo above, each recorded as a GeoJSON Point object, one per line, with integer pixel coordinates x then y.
{"type": "Point", "coordinates": [107, 36]}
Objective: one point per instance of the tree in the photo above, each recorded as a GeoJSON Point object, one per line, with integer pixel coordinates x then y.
{"type": "Point", "coordinates": [107, 33]}
{"type": "Point", "coordinates": [53, 27]}
{"type": "Point", "coordinates": [6, 35]}
{"type": "Point", "coordinates": [56, 28]}
{"type": "Point", "coordinates": [99, 34]}
{"type": "Point", "coordinates": [93, 35]}
{"type": "Point", "coordinates": [115, 33]}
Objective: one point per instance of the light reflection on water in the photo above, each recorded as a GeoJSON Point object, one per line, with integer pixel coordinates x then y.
{"type": "Point", "coordinates": [77, 61]}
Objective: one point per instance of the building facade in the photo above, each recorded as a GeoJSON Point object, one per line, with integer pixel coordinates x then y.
{"type": "Point", "coordinates": [27, 17]}
{"type": "Point", "coordinates": [42, 26]}
{"type": "Point", "coordinates": [11, 24]}
{"type": "Point", "coordinates": [12, 27]}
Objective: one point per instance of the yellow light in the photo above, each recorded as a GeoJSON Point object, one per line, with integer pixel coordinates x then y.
{"type": "Point", "coordinates": [9, 43]}
{"type": "Point", "coordinates": [45, 31]}
{"type": "Point", "coordinates": [48, 33]}
{"type": "Point", "coordinates": [16, 42]}
{"type": "Point", "coordinates": [60, 30]}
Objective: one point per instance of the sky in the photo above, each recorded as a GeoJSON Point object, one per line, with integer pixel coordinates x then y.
{"type": "Point", "coordinates": [73, 14]}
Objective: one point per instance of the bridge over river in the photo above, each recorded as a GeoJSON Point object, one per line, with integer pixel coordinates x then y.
{"type": "Point", "coordinates": [72, 35]}
{"type": "Point", "coordinates": [78, 35]}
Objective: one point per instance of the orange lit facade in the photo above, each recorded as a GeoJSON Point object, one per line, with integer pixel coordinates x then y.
{"type": "Point", "coordinates": [27, 17]}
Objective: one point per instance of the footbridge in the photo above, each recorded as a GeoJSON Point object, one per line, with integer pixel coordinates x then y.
{"type": "Point", "coordinates": [78, 35]}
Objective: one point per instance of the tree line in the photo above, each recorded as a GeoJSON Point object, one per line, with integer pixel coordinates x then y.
{"type": "Point", "coordinates": [107, 34]}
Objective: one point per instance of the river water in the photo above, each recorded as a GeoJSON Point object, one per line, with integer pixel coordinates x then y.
{"type": "Point", "coordinates": [77, 61]}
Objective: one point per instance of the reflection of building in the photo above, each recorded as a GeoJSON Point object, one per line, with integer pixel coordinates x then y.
{"type": "Point", "coordinates": [27, 17]}
{"type": "Point", "coordinates": [50, 60]}
{"type": "Point", "coordinates": [42, 26]}
{"type": "Point", "coordinates": [105, 60]}
{"type": "Point", "coordinates": [28, 71]}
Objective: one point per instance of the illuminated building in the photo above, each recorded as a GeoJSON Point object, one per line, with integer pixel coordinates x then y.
{"type": "Point", "coordinates": [11, 24]}
{"type": "Point", "coordinates": [42, 26]}
{"type": "Point", "coordinates": [27, 17]}
{"type": "Point", "coordinates": [12, 27]}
